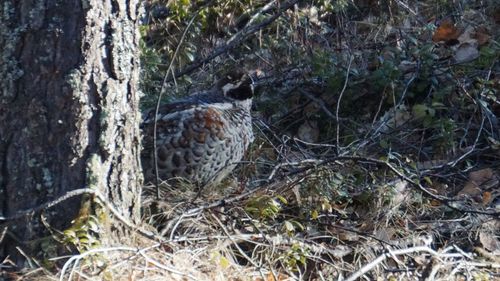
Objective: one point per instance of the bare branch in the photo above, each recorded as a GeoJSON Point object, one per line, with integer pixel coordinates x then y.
{"type": "Point", "coordinates": [237, 38]}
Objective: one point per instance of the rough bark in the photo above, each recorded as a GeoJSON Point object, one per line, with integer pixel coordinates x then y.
{"type": "Point", "coordinates": [68, 109]}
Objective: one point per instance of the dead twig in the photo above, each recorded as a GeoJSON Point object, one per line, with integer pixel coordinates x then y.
{"type": "Point", "coordinates": [443, 199]}
{"type": "Point", "coordinates": [238, 38]}
{"type": "Point", "coordinates": [337, 139]}
{"type": "Point", "coordinates": [78, 192]}
{"type": "Point", "coordinates": [74, 261]}
{"type": "Point", "coordinates": [158, 101]}
{"type": "Point", "coordinates": [392, 253]}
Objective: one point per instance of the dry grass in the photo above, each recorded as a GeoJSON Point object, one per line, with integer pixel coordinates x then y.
{"type": "Point", "coordinates": [394, 233]}
{"type": "Point", "coordinates": [349, 177]}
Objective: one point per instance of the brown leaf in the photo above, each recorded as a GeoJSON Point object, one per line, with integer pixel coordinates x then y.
{"type": "Point", "coordinates": [476, 179]}
{"type": "Point", "coordinates": [280, 277]}
{"type": "Point", "coordinates": [271, 277]}
{"type": "Point", "coordinates": [482, 36]}
{"type": "Point", "coordinates": [489, 241]}
{"type": "Point", "coordinates": [435, 203]}
{"type": "Point", "coordinates": [470, 189]}
{"type": "Point", "coordinates": [481, 176]}
{"type": "Point", "coordinates": [487, 198]}
{"type": "Point", "coordinates": [447, 31]}
{"type": "Point", "coordinates": [385, 234]}
{"type": "Point", "coordinates": [348, 236]}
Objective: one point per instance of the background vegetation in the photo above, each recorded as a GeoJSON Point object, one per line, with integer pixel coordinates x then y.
{"type": "Point", "coordinates": [377, 146]}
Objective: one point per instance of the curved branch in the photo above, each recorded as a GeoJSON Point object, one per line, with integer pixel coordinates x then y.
{"type": "Point", "coordinates": [236, 39]}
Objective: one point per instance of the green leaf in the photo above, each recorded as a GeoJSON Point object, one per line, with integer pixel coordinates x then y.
{"type": "Point", "coordinates": [69, 233]}
{"type": "Point", "coordinates": [190, 56]}
{"type": "Point", "coordinates": [421, 111]}
{"type": "Point", "coordinates": [282, 199]}
{"type": "Point", "coordinates": [428, 180]}
{"type": "Point", "coordinates": [224, 262]}
{"type": "Point", "coordinates": [314, 214]}
{"type": "Point", "coordinates": [289, 226]}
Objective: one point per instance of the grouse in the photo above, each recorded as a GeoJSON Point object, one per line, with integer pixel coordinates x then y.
{"type": "Point", "coordinates": [202, 137]}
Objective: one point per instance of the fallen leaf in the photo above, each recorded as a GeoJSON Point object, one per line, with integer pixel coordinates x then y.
{"type": "Point", "coordinates": [489, 240]}
{"type": "Point", "coordinates": [394, 118]}
{"type": "Point", "coordinates": [468, 36]}
{"type": "Point", "coordinates": [341, 251]}
{"type": "Point", "coordinates": [385, 234]}
{"type": "Point", "coordinates": [402, 193]}
{"type": "Point", "coordinates": [485, 254]}
{"type": "Point", "coordinates": [345, 235]}
{"type": "Point", "coordinates": [446, 31]}
{"type": "Point", "coordinates": [481, 176]}
{"type": "Point", "coordinates": [482, 36]}
{"type": "Point", "coordinates": [487, 198]}
{"type": "Point", "coordinates": [477, 182]}
{"type": "Point", "coordinates": [421, 259]}
{"type": "Point", "coordinates": [435, 203]}
{"type": "Point", "coordinates": [465, 53]}
{"type": "Point", "coordinates": [271, 277]}
{"type": "Point", "coordinates": [308, 131]}
{"type": "Point", "coordinates": [470, 189]}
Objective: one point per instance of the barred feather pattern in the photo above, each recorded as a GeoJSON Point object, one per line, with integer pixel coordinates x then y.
{"type": "Point", "coordinates": [200, 138]}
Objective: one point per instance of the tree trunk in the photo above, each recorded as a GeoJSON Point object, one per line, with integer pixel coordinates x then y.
{"type": "Point", "coordinates": [69, 114]}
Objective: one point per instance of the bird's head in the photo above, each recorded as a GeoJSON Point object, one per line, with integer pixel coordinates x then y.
{"type": "Point", "coordinates": [240, 86]}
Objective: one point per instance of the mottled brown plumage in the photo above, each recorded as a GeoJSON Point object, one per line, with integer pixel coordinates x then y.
{"type": "Point", "coordinates": [200, 138]}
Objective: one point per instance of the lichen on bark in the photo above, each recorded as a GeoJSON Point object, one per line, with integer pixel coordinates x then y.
{"type": "Point", "coordinates": [9, 39]}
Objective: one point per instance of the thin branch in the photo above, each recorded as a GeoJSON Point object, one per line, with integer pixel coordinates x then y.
{"type": "Point", "coordinates": [75, 260]}
{"type": "Point", "coordinates": [49, 204]}
{"type": "Point", "coordinates": [445, 200]}
{"type": "Point", "coordinates": [162, 90]}
{"type": "Point", "coordinates": [235, 243]}
{"type": "Point", "coordinates": [239, 37]}
{"type": "Point", "coordinates": [78, 192]}
{"type": "Point", "coordinates": [337, 139]}
{"type": "Point", "coordinates": [362, 271]}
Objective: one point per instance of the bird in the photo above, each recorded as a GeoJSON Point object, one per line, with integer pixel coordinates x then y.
{"type": "Point", "coordinates": [199, 138]}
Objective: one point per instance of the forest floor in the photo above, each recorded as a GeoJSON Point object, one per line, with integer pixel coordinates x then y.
{"type": "Point", "coordinates": [376, 155]}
